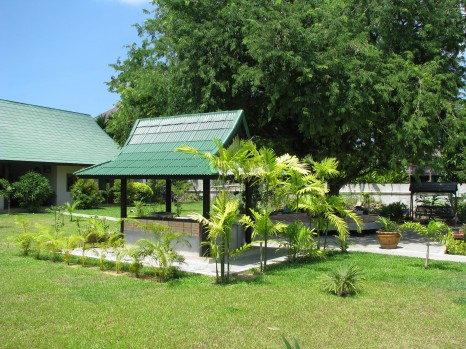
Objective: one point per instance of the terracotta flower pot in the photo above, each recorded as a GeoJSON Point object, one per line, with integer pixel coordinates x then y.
{"type": "Point", "coordinates": [388, 239]}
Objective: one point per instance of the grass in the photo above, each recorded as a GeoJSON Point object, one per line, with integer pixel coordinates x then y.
{"type": "Point", "coordinates": [115, 211]}
{"type": "Point", "coordinates": [51, 305]}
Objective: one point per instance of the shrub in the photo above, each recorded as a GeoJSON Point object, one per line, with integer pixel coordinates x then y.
{"type": "Point", "coordinates": [396, 211]}
{"type": "Point", "coordinates": [454, 246]}
{"type": "Point", "coordinates": [461, 210]}
{"type": "Point", "coordinates": [135, 191]}
{"type": "Point", "coordinates": [142, 192]}
{"type": "Point", "coordinates": [344, 280]}
{"type": "Point", "coordinates": [32, 191]}
{"type": "Point", "coordinates": [86, 191]}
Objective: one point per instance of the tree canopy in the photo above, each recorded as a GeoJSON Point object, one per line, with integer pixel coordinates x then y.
{"type": "Point", "coordinates": [372, 83]}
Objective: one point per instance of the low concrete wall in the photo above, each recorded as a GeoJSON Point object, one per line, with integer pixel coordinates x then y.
{"type": "Point", "coordinates": [387, 193]}
{"type": "Point", "coordinates": [191, 228]}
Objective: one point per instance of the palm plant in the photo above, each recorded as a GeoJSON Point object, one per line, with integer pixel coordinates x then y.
{"type": "Point", "coordinates": [137, 252]}
{"type": "Point", "coordinates": [271, 171]}
{"type": "Point", "coordinates": [263, 229]}
{"type": "Point", "coordinates": [71, 208]}
{"type": "Point", "coordinates": [25, 241]}
{"type": "Point", "coordinates": [224, 213]}
{"type": "Point", "coordinates": [434, 230]}
{"type": "Point", "coordinates": [344, 280]}
{"type": "Point", "coordinates": [325, 212]}
{"type": "Point", "coordinates": [299, 240]}
{"type": "Point", "coordinates": [50, 243]}
{"type": "Point", "coordinates": [161, 248]}
{"type": "Point", "coordinates": [116, 244]}
{"type": "Point", "coordinates": [69, 243]}
{"type": "Point", "coordinates": [234, 161]}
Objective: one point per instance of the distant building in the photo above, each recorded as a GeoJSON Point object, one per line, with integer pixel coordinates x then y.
{"type": "Point", "coordinates": [53, 142]}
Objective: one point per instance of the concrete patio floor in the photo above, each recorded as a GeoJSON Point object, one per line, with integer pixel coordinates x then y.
{"type": "Point", "coordinates": [410, 245]}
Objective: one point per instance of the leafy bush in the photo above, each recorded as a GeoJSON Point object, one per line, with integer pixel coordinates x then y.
{"type": "Point", "coordinates": [454, 246]}
{"type": "Point", "coordinates": [135, 191]}
{"type": "Point", "coordinates": [396, 211]}
{"type": "Point", "coordinates": [344, 281]}
{"type": "Point", "coordinates": [461, 209]}
{"type": "Point", "coordinates": [142, 192]}
{"type": "Point", "coordinates": [32, 191]}
{"type": "Point", "coordinates": [87, 193]}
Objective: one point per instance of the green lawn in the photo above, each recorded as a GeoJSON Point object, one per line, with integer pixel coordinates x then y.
{"type": "Point", "coordinates": [115, 211]}
{"type": "Point", "coordinates": [51, 305]}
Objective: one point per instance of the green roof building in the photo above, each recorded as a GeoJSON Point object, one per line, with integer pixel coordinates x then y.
{"type": "Point", "coordinates": [149, 152]}
{"type": "Point", "coordinates": [53, 142]}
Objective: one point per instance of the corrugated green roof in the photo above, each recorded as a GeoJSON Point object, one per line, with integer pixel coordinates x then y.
{"type": "Point", "coordinates": [150, 148]}
{"type": "Point", "coordinates": [40, 134]}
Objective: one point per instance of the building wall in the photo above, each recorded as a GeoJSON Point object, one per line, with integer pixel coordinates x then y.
{"type": "Point", "coordinates": [60, 183]}
{"type": "Point", "coordinates": [56, 174]}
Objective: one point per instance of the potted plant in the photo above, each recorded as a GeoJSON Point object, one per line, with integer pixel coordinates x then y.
{"type": "Point", "coordinates": [389, 234]}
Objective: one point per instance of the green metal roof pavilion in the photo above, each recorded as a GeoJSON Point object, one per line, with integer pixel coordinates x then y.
{"type": "Point", "coordinates": [149, 151]}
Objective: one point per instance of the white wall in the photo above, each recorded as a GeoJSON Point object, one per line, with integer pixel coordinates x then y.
{"type": "Point", "coordinates": [387, 193]}
{"type": "Point", "coordinates": [60, 189]}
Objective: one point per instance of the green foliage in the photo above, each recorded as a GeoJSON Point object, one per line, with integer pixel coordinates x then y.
{"type": "Point", "coordinates": [135, 191]}
{"type": "Point", "coordinates": [57, 211]}
{"type": "Point", "coordinates": [395, 211]}
{"type": "Point", "coordinates": [385, 177]}
{"type": "Point", "coordinates": [25, 242]}
{"type": "Point", "coordinates": [387, 224]}
{"type": "Point", "coordinates": [160, 249]}
{"type": "Point", "coordinates": [137, 254]}
{"type": "Point", "coordinates": [329, 211]}
{"type": "Point", "coordinates": [107, 192]}
{"type": "Point", "coordinates": [223, 214]}
{"type": "Point", "coordinates": [288, 345]}
{"type": "Point", "coordinates": [263, 229]}
{"type": "Point", "coordinates": [139, 207]}
{"type": "Point", "coordinates": [7, 191]}
{"type": "Point", "coordinates": [50, 243]}
{"type": "Point", "coordinates": [142, 192]}
{"type": "Point", "coordinates": [344, 280]}
{"type": "Point", "coordinates": [454, 246]}
{"type": "Point", "coordinates": [70, 208]}
{"type": "Point", "coordinates": [299, 241]}
{"type": "Point", "coordinates": [433, 231]}
{"type": "Point", "coordinates": [86, 192]}
{"type": "Point", "coordinates": [32, 190]}
{"type": "Point", "coordinates": [388, 99]}
{"type": "Point", "coordinates": [461, 209]}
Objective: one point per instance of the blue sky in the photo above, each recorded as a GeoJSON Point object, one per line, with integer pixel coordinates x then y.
{"type": "Point", "coordinates": [55, 53]}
